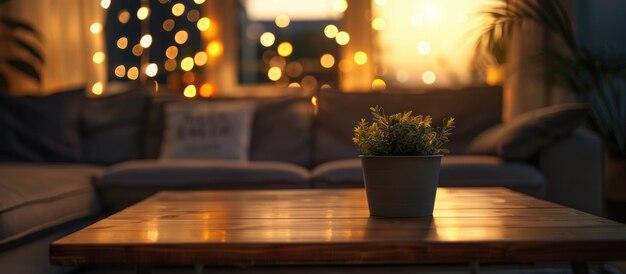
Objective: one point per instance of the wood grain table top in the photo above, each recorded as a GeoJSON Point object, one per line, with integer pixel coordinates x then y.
{"type": "Point", "coordinates": [333, 226]}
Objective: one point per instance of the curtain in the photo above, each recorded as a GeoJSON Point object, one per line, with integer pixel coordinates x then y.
{"type": "Point", "coordinates": [66, 42]}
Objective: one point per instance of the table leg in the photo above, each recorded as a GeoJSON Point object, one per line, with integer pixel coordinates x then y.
{"type": "Point", "coordinates": [142, 269]}
{"type": "Point", "coordinates": [198, 269]}
{"type": "Point", "coordinates": [474, 267]}
{"type": "Point", "coordinates": [580, 267]}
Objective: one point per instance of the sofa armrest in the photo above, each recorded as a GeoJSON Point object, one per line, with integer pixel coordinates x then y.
{"type": "Point", "coordinates": [574, 170]}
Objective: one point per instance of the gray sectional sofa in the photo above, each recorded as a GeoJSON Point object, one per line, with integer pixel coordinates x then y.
{"type": "Point", "coordinates": [293, 145]}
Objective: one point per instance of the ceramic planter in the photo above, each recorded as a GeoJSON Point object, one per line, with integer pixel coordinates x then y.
{"type": "Point", "coordinates": [401, 186]}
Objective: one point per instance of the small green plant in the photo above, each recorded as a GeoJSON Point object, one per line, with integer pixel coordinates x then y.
{"type": "Point", "coordinates": [401, 134]}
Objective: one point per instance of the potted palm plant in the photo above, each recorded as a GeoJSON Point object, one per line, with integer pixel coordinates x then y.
{"type": "Point", "coordinates": [590, 76]}
{"type": "Point", "coordinates": [401, 155]}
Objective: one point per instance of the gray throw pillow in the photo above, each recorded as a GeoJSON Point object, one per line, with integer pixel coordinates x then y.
{"type": "Point", "coordinates": [522, 137]}
{"type": "Point", "coordinates": [207, 130]}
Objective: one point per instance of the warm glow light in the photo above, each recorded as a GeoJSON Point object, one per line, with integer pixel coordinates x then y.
{"type": "Point", "coordinates": [274, 73]}
{"type": "Point", "coordinates": [314, 100]}
{"type": "Point", "coordinates": [380, 2]}
{"type": "Point", "coordinates": [378, 84]}
{"type": "Point", "coordinates": [95, 28]}
{"type": "Point", "coordinates": [282, 21]}
{"type": "Point", "coordinates": [120, 71]}
{"type": "Point", "coordinates": [98, 57]}
{"type": "Point", "coordinates": [181, 37]}
{"type": "Point", "coordinates": [178, 9]}
{"type": "Point", "coordinates": [105, 4]}
{"type": "Point", "coordinates": [143, 13]}
{"type": "Point", "coordinates": [199, 2]}
{"type": "Point", "coordinates": [193, 16]}
{"type": "Point", "coordinates": [204, 24]}
{"type": "Point", "coordinates": [97, 88]}
{"type": "Point", "coordinates": [402, 76]}
{"type": "Point", "coordinates": [294, 85]}
{"type": "Point", "coordinates": [215, 48]}
{"type": "Point", "coordinates": [186, 64]}
{"type": "Point", "coordinates": [168, 25]}
{"type": "Point", "coordinates": [342, 38]}
{"type": "Point", "coordinates": [137, 50]}
{"type": "Point", "coordinates": [122, 43]}
{"type": "Point", "coordinates": [341, 5]}
{"type": "Point", "coordinates": [327, 60]}
{"type": "Point", "coordinates": [423, 47]}
{"type": "Point", "coordinates": [438, 34]}
{"type": "Point", "coordinates": [284, 49]}
{"type": "Point", "coordinates": [170, 64]}
{"type": "Point", "coordinates": [200, 58]}
{"type": "Point", "coordinates": [171, 52]}
{"type": "Point", "coordinates": [189, 77]}
{"type": "Point", "coordinates": [378, 23]}
{"type": "Point", "coordinates": [428, 77]}
{"type": "Point", "coordinates": [309, 82]}
{"type": "Point", "coordinates": [325, 86]}
{"type": "Point", "coordinates": [278, 61]}
{"type": "Point", "coordinates": [152, 70]}
{"type": "Point", "coordinates": [294, 69]}
{"type": "Point", "coordinates": [146, 41]}
{"type": "Point", "coordinates": [190, 91]}
{"type": "Point", "coordinates": [495, 75]}
{"type": "Point", "coordinates": [331, 31]}
{"type": "Point", "coordinates": [123, 16]}
{"type": "Point", "coordinates": [267, 39]}
{"type": "Point", "coordinates": [133, 73]}
{"type": "Point", "coordinates": [345, 65]}
{"type": "Point", "coordinates": [207, 90]}
{"type": "Point", "coordinates": [360, 58]}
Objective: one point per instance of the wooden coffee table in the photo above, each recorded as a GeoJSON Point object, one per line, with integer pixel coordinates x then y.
{"type": "Point", "coordinates": [333, 227]}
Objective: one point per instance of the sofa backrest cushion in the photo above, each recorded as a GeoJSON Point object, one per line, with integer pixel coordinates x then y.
{"type": "Point", "coordinates": [112, 127]}
{"type": "Point", "coordinates": [207, 130]}
{"type": "Point", "coordinates": [40, 128]}
{"type": "Point", "coordinates": [475, 109]}
{"type": "Point", "coordinates": [281, 127]}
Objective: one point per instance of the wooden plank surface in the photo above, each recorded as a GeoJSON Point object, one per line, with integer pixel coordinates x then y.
{"type": "Point", "coordinates": [332, 226]}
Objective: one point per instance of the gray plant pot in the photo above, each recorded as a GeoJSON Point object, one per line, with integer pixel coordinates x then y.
{"type": "Point", "coordinates": [401, 186]}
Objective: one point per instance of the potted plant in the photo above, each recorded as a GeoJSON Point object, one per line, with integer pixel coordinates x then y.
{"type": "Point", "coordinates": [593, 77]}
{"type": "Point", "coordinates": [401, 155]}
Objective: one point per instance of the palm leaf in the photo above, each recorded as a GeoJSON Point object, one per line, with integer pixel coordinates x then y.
{"type": "Point", "coordinates": [34, 52]}
{"type": "Point", "coordinates": [15, 24]}
{"type": "Point", "coordinates": [25, 68]}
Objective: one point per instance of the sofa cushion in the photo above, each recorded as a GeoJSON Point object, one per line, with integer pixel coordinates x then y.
{"type": "Point", "coordinates": [126, 183]}
{"type": "Point", "coordinates": [209, 173]}
{"type": "Point", "coordinates": [34, 197]}
{"type": "Point", "coordinates": [112, 125]}
{"type": "Point", "coordinates": [475, 109]}
{"type": "Point", "coordinates": [40, 128]}
{"type": "Point", "coordinates": [203, 130]}
{"type": "Point", "coordinates": [523, 137]}
{"type": "Point", "coordinates": [456, 171]}
{"type": "Point", "coordinates": [281, 127]}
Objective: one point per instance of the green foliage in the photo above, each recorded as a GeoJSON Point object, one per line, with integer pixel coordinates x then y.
{"type": "Point", "coordinates": [401, 134]}
{"type": "Point", "coordinates": [591, 76]}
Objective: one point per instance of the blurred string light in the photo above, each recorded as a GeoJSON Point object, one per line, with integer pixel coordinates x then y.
{"type": "Point", "coordinates": [331, 31]}
{"type": "Point", "coordinates": [190, 91]}
{"type": "Point", "coordinates": [143, 13]}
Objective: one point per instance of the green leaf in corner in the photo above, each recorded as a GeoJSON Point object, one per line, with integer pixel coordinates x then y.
{"type": "Point", "coordinates": [25, 68]}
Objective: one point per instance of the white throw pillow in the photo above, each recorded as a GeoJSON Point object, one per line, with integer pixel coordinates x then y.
{"type": "Point", "coordinates": [207, 130]}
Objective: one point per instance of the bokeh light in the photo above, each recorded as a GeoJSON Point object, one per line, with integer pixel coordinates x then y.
{"type": "Point", "coordinates": [360, 58]}
{"type": "Point", "coordinates": [120, 71]}
{"type": "Point", "coordinates": [122, 43]}
{"type": "Point", "coordinates": [146, 41]}
{"type": "Point", "coordinates": [133, 73]}
{"type": "Point", "coordinates": [200, 58]}
{"type": "Point", "coordinates": [204, 24]}
{"type": "Point", "coordinates": [429, 77]}
{"type": "Point", "coordinates": [98, 57]}
{"type": "Point", "coordinates": [97, 88]}
{"type": "Point", "coordinates": [285, 49]}
{"type": "Point", "coordinates": [95, 28]}
{"type": "Point", "coordinates": [282, 21]}
{"type": "Point", "coordinates": [152, 70]}
{"type": "Point", "coordinates": [190, 91]}
{"type": "Point", "coordinates": [378, 84]}
{"type": "Point", "coordinates": [171, 52]}
{"type": "Point", "coordinates": [327, 60]}
{"type": "Point", "coordinates": [342, 38]}
{"type": "Point", "coordinates": [186, 64]}
{"type": "Point", "coordinates": [181, 37]}
{"type": "Point", "coordinates": [143, 13]}
{"type": "Point", "coordinates": [331, 31]}
{"type": "Point", "coordinates": [178, 9]}
{"type": "Point", "coordinates": [267, 39]}
{"type": "Point", "coordinates": [274, 73]}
